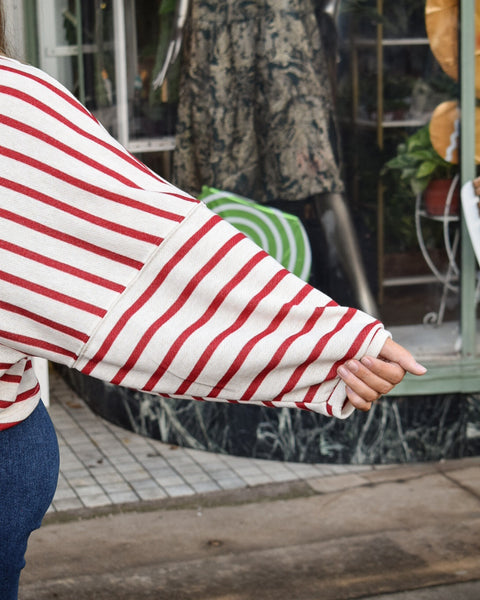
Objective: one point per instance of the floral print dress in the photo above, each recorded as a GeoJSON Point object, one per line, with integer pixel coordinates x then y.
{"type": "Point", "coordinates": [255, 109]}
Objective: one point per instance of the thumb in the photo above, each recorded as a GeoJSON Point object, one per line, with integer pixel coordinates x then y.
{"type": "Point", "coordinates": [396, 353]}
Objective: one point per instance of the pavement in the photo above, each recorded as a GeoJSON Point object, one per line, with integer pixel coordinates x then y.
{"type": "Point", "coordinates": [251, 528]}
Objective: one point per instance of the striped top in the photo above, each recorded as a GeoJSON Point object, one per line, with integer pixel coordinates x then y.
{"type": "Point", "coordinates": [109, 269]}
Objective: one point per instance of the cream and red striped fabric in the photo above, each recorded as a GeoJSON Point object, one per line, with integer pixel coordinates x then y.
{"type": "Point", "coordinates": [107, 268]}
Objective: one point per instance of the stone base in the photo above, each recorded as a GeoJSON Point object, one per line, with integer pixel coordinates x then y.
{"type": "Point", "coordinates": [396, 430]}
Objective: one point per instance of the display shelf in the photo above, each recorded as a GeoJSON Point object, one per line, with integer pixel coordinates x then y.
{"type": "Point", "coordinates": [380, 122]}
{"type": "Point", "coordinates": [161, 144]}
{"type": "Point", "coordinates": [392, 124]}
{"type": "Point", "coordinates": [409, 280]}
{"type": "Point", "coordinates": [363, 42]}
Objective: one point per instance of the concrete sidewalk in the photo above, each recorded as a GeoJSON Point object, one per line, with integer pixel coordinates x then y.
{"type": "Point", "coordinates": [402, 532]}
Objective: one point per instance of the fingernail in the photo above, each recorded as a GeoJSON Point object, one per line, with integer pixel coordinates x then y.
{"type": "Point", "coordinates": [367, 361]}
{"type": "Point", "coordinates": [342, 371]}
{"type": "Point", "coordinates": [352, 365]}
{"type": "Point", "coordinates": [421, 368]}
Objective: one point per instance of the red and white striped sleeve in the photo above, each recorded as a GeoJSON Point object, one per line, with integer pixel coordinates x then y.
{"type": "Point", "coordinates": [107, 268]}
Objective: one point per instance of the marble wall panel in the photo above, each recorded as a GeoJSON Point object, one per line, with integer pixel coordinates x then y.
{"type": "Point", "coordinates": [396, 430]}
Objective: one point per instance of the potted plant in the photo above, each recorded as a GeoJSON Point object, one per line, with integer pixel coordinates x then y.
{"type": "Point", "coordinates": [426, 171]}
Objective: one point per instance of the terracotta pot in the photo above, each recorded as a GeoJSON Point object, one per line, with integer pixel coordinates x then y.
{"type": "Point", "coordinates": [435, 197]}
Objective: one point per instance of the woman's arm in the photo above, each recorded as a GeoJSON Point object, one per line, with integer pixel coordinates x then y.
{"type": "Point", "coordinates": [107, 268]}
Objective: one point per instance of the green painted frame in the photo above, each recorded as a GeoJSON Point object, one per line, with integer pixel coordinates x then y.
{"type": "Point", "coordinates": [461, 374]}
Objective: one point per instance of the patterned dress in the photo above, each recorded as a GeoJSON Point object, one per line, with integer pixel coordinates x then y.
{"type": "Point", "coordinates": [255, 109]}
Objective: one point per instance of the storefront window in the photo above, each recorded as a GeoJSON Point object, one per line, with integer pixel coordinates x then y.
{"type": "Point", "coordinates": [109, 53]}
{"type": "Point", "coordinates": [76, 47]}
{"type": "Point", "coordinates": [399, 107]}
{"type": "Point", "coordinates": [389, 85]}
{"type": "Point", "coordinates": [153, 104]}
{"type": "Point", "coordinates": [395, 95]}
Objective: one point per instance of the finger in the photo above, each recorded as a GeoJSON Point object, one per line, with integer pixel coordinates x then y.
{"type": "Point", "coordinates": [391, 372]}
{"type": "Point", "coordinates": [357, 401]}
{"type": "Point", "coordinates": [395, 353]}
{"type": "Point", "coordinates": [358, 386]}
{"type": "Point", "coordinates": [377, 374]}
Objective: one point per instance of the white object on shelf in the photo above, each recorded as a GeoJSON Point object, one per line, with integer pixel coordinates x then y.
{"type": "Point", "coordinates": [471, 213]}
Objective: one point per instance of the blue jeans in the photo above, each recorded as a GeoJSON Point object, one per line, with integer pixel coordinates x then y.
{"type": "Point", "coordinates": [29, 463]}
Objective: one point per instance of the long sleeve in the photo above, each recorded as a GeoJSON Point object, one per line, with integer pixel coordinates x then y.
{"type": "Point", "coordinates": [109, 269]}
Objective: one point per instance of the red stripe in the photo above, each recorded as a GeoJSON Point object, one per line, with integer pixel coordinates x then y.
{"type": "Point", "coordinates": [312, 390]}
{"type": "Point", "coordinates": [302, 406]}
{"type": "Point", "coordinates": [80, 214]}
{"type": "Point", "coordinates": [70, 179]}
{"type": "Point", "coordinates": [121, 152]}
{"type": "Point", "coordinates": [10, 378]}
{"type": "Point", "coordinates": [183, 297]}
{"type": "Point", "coordinates": [4, 426]}
{"type": "Point", "coordinates": [28, 394]}
{"type": "Point", "coordinates": [36, 343]}
{"type": "Point", "coordinates": [60, 266]}
{"type": "Point", "coordinates": [53, 294]}
{"type": "Point", "coordinates": [180, 196]}
{"type": "Point", "coordinates": [6, 366]}
{"type": "Point", "coordinates": [311, 393]}
{"type": "Point", "coordinates": [56, 90]}
{"type": "Point", "coordinates": [72, 126]}
{"type": "Point", "coordinates": [20, 398]}
{"type": "Point", "coordinates": [249, 346]}
{"type": "Point", "coordinates": [280, 352]}
{"type": "Point", "coordinates": [118, 151]}
{"type": "Point", "coordinates": [218, 300]}
{"type": "Point", "coordinates": [315, 354]}
{"type": "Point", "coordinates": [354, 348]}
{"type": "Point", "coordinates": [83, 337]}
{"type": "Point", "coordinates": [70, 239]}
{"type": "Point", "coordinates": [244, 315]}
{"type": "Point", "coordinates": [149, 292]}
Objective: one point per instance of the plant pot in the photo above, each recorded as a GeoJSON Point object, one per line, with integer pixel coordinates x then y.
{"type": "Point", "coordinates": [435, 197]}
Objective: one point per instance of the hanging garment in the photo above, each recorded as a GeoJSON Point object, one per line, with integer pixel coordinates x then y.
{"type": "Point", "coordinates": [255, 110]}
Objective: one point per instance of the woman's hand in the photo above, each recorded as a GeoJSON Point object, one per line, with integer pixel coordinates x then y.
{"type": "Point", "coordinates": [369, 378]}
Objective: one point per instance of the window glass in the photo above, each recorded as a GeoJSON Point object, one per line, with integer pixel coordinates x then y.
{"type": "Point", "coordinates": [389, 86]}
{"type": "Point", "coordinates": [152, 106]}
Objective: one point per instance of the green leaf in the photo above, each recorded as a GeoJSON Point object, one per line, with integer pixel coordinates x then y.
{"type": "Point", "coordinates": [419, 185]}
{"type": "Point", "coordinates": [423, 154]}
{"type": "Point", "coordinates": [410, 173]}
{"type": "Point", "coordinates": [426, 168]}
{"type": "Point", "coordinates": [420, 139]}
{"type": "Point", "coordinates": [167, 7]}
